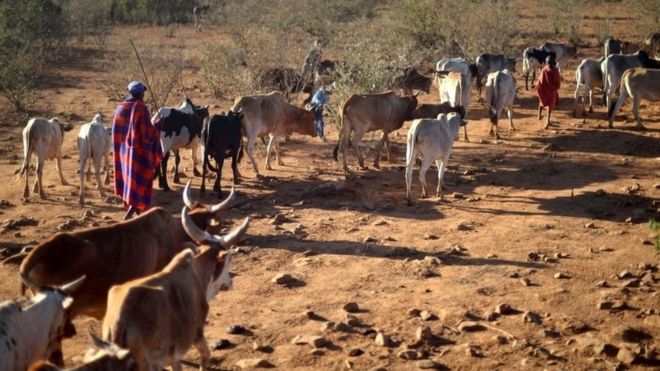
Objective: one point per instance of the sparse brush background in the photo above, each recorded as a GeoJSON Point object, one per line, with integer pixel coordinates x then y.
{"type": "Point", "coordinates": [369, 36]}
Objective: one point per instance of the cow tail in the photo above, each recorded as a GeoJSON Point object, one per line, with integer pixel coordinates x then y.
{"type": "Point", "coordinates": [490, 102]}
{"type": "Point", "coordinates": [335, 151]}
{"type": "Point", "coordinates": [410, 148]}
{"type": "Point", "coordinates": [26, 154]}
{"type": "Point", "coordinates": [241, 149]}
{"type": "Point", "coordinates": [605, 88]}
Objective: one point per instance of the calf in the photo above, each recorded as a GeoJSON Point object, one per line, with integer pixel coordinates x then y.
{"type": "Point", "coordinates": [455, 89]}
{"type": "Point", "coordinates": [500, 93]}
{"type": "Point", "coordinates": [222, 139]}
{"type": "Point", "coordinates": [114, 254]}
{"type": "Point", "coordinates": [44, 138]}
{"type": "Point", "coordinates": [487, 63]}
{"type": "Point", "coordinates": [370, 112]}
{"type": "Point", "coordinates": [94, 142]}
{"type": "Point", "coordinates": [612, 46]}
{"type": "Point", "coordinates": [433, 140]}
{"type": "Point", "coordinates": [159, 317]}
{"type": "Point", "coordinates": [589, 75]}
{"type": "Point", "coordinates": [408, 80]}
{"type": "Point", "coordinates": [563, 52]}
{"type": "Point", "coordinates": [33, 329]}
{"type": "Point", "coordinates": [430, 111]}
{"type": "Point", "coordinates": [179, 127]}
{"type": "Point", "coordinates": [637, 83]}
{"type": "Point", "coordinates": [271, 114]}
{"type": "Point", "coordinates": [105, 357]}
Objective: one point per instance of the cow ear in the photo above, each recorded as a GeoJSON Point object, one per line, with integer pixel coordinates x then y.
{"type": "Point", "coordinates": [66, 304]}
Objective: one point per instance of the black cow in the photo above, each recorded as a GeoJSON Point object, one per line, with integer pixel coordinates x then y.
{"type": "Point", "coordinates": [179, 127]}
{"type": "Point", "coordinates": [222, 138]}
{"type": "Point", "coordinates": [533, 58]}
{"type": "Point", "coordinates": [408, 79]}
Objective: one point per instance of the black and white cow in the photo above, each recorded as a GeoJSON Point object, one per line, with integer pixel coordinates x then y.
{"type": "Point", "coordinates": [179, 127]}
{"type": "Point", "coordinates": [533, 58]}
{"type": "Point", "coordinates": [612, 46]}
{"type": "Point", "coordinates": [487, 63]}
{"type": "Point", "coordinates": [221, 139]}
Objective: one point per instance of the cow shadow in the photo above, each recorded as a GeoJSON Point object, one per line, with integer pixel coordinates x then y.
{"type": "Point", "coordinates": [614, 142]}
{"type": "Point", "coordinates": [376, 250]}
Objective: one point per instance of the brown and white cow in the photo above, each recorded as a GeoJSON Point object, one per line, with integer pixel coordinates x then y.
{"type": "Point", "coordinates": [104, 357]}
{"type": "Point", "coordinates": [33, 329]}
{"type": "Point", "coordinates": [270, 114]}
{"type": "Point", "coordinates": [363, 113]}
{"type": "Point", "coordinates": [637, 83]}
{"type": "Point", "coordinates": [44, 138]}
{"type": "Point", "coordinates": [159, 317]}
{"type": "Point", "coordinates": [111, 255]}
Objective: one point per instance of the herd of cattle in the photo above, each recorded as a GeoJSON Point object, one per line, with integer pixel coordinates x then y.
{"type": "Point", "coordinates": [150, 279]}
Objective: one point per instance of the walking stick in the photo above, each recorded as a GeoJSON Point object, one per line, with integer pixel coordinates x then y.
{"type": "Point", "coordinates": [146, 79]}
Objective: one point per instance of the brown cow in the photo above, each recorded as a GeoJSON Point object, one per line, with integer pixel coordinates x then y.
{"type": "Point", "coordinates": [271, 114]}
{"type": "Point", "coordinates": [369, 112]}
{"type": "Point", "coordinates": [113, 254]}
{"type": "Point", "coordinates": [160, 316]}
{"type": "Point", "coordinates": [408, 80]}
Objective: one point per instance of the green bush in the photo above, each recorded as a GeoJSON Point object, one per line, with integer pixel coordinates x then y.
{"type": "Point", "coordinates": [160, 12]}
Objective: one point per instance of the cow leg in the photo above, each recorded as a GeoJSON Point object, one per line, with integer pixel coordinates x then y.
{"type": "Point", "coordinates": [194, 148]}
{"type": "Point", "coordinates": [276, 146]}
{"type": "Point", "coordinates": [26, 188]}
{"type": "Point", "coordinates": [591, 100]}
{"type": "Point", "coordinates": [88, 173]}
{"type": "Point", "coordinates": [204, 352]}
{"type": "Point", "coordinates": [234, 168]}
{"type": "Point", "coordinates": [106, 168]}
{"type": "Point", "coordinates": [205, 161]}
{"type": "Point", "coordinates": [379, 148]}
{"type": "Point", "coordinates": [409, 170]}
{"type": "Point", "coordinates": [81, 193]}
{"type": "Point", "coordinates": [636, 101]}
{"type": "Point", "coordinates": [39, 185]}
{"type": "Point", "coordinates": [250, 152]}
{"type": "Point", "coordinates": [355, 143]}
{"type": "Point", "coordinates": [465, 133]}
{"type": "Point", "coordinates": [97, 167]}
{"type": "Point", "coordinates": [268, 148]}
{"type": "Point", "coordinates": [162, 174]}
{"type": "Point", "coordinates": [218, 173]}
{"type": "Point", "coordinates": [509, 112]}
{"type": "Point", "coordinates": [441, 169]}
{"type": "Point", "coordinates": [177, 160]}
{"type": "Point", "coordinates": [426, 163]}
{"type": "Point", "coordinates": [58, 166]}
{"type": "Point", "coordinates": [576, 97]}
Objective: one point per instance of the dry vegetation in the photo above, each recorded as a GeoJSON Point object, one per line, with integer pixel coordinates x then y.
{"type": "Point", "coordinates": [551, 223]}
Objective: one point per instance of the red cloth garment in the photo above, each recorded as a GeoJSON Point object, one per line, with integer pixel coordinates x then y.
{"type": "Point", "coordinates": [547, 87]}
{"type": "Point", "coordinates": [137, 152]}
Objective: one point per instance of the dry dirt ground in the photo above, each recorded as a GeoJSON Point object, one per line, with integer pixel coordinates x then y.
{"type": "Point", "coordinates": [570, 202]}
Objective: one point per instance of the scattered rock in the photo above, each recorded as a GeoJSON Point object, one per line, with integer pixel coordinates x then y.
{"type": "Point", "coordinates": [253, 363]}
{"type": "Point", "coordinates": [602, 283]}
{"type": "Point", "coordinates": [433, 260]}
{"type": "Point", "coordinates": [470, 326]}
{"type": "Point", "coordinates": [457, 195]}
{"type": "Point", "coordinates": [463, 227]}
{"type": "Point", "coordinates": [279, 219]}
{"type": "Point", "coordinates": [624, 274]}
{"type": "Point", "coordinates": [349, 364]}
{"type": "Point", "coordinates": [355, 352]}
{"type": "Point", "coordinates": [235, 329]}
{"type": "Point", "coordinates": [501, 339]}
{"type": "Point", "coordinates": [257, 347]}
{"type": "Point", "coordinates": [370, 239]}
{"type": "Point", "coordinates": [414, 312]}
{"type": "Point", "coordinates": [605, 249]}
{"type": "Point", "coordinates": [430, 236]}
{"type": "Point", "coordinates": [382, 340]}
{"type": "Point", "coordinates": [551, 333]}
{"type": "Point", "coordinates": [505, 309]}
{"type": "Point", "coordinates": [532, 317]}
{"type": "Point", "coordinates": [381, 222]}
{"type": "Point", "coordinates": [619, 305]}
{"type": "Point", "coordinates": [561, 276]}
{"type": "Point", "coordinates": [427, 316]}
{"type": "Point", "coordinates": [317, 352]}
{"type": "Point", "coordinates": [473, 351]}
{"type": "Point", "coordinates": [423, 333]}
{"type": "Point", "coordinates": [221, 344]}
{"type": "Point", "coordinates": [533, 256]}
{"type": "Point", "coordinates": [632, 283]}
{"type": "Point", "coordinates": [525, 282]}
{"type": "Point", "coordinates": [427, 364]}
{"type": "Point", "coordinates": [652, 321]}
{"type": "Point", "coordinates": [283, 279]}
{"type": "Point", "coordinates": [315, 341]}
{"type": "Point", "coordinates": [407, 354]}
{"type": "Point", "coordinates": [626, 356]}
{"type": "Point", "coordinates": [604, 304]}
{"type": "Point", "coordinates": [351, 307]}
{"type": "Point", "coordinates": [590, 225]}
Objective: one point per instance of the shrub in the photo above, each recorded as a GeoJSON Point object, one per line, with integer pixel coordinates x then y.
{"type": "Point", "coordinates": [225, 69]}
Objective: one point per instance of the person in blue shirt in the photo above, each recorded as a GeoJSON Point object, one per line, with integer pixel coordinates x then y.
{"type": "Point", "coordinates": [318, 102]}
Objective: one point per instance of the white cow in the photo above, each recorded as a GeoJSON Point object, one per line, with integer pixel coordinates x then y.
{"type": "Point", "coordinates": [32, 329]}
{"type": "Point", "coordinates": [44, 138]}
{"type": "Point", "coordinates": [615, 65]}
{"type": "Point", "coordinates": [500, 93]}
{"type": "Point", "coordinates": [589, 76]}
{"type": "Point", "coordinates": [563, 52]}
{"type": "Point", "coordinates": [637, 83]}
{"type": "Point", "coordinates": [454, 87]}
{"type": "Point", "coordinates": [432, 140]}
{"type": "Point", "coordinates": [94, 141]}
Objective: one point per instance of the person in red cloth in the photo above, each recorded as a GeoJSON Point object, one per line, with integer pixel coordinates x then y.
{"type": "Point", "coordinates": [137, 151]}
{"type": "Point", "coordinates": [548, 87]}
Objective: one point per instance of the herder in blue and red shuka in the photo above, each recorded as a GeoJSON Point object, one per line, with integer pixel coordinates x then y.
{"type": "Point", "coordinates": [137, 151]}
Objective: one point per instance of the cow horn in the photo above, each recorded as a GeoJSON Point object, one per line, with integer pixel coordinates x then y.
{"type": "Point", "coordinates": [234, 236]}
{"type": "Point", "coordinates": [186, 196]}
{"type": "Point", "coordinates": [222, 205]}
{"type": "Point", "coordinates": [197, 235]}
{"type": "Point", "coordinates": [72, 287]}
{"type": "Point", "coordinates": [31, 284]}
